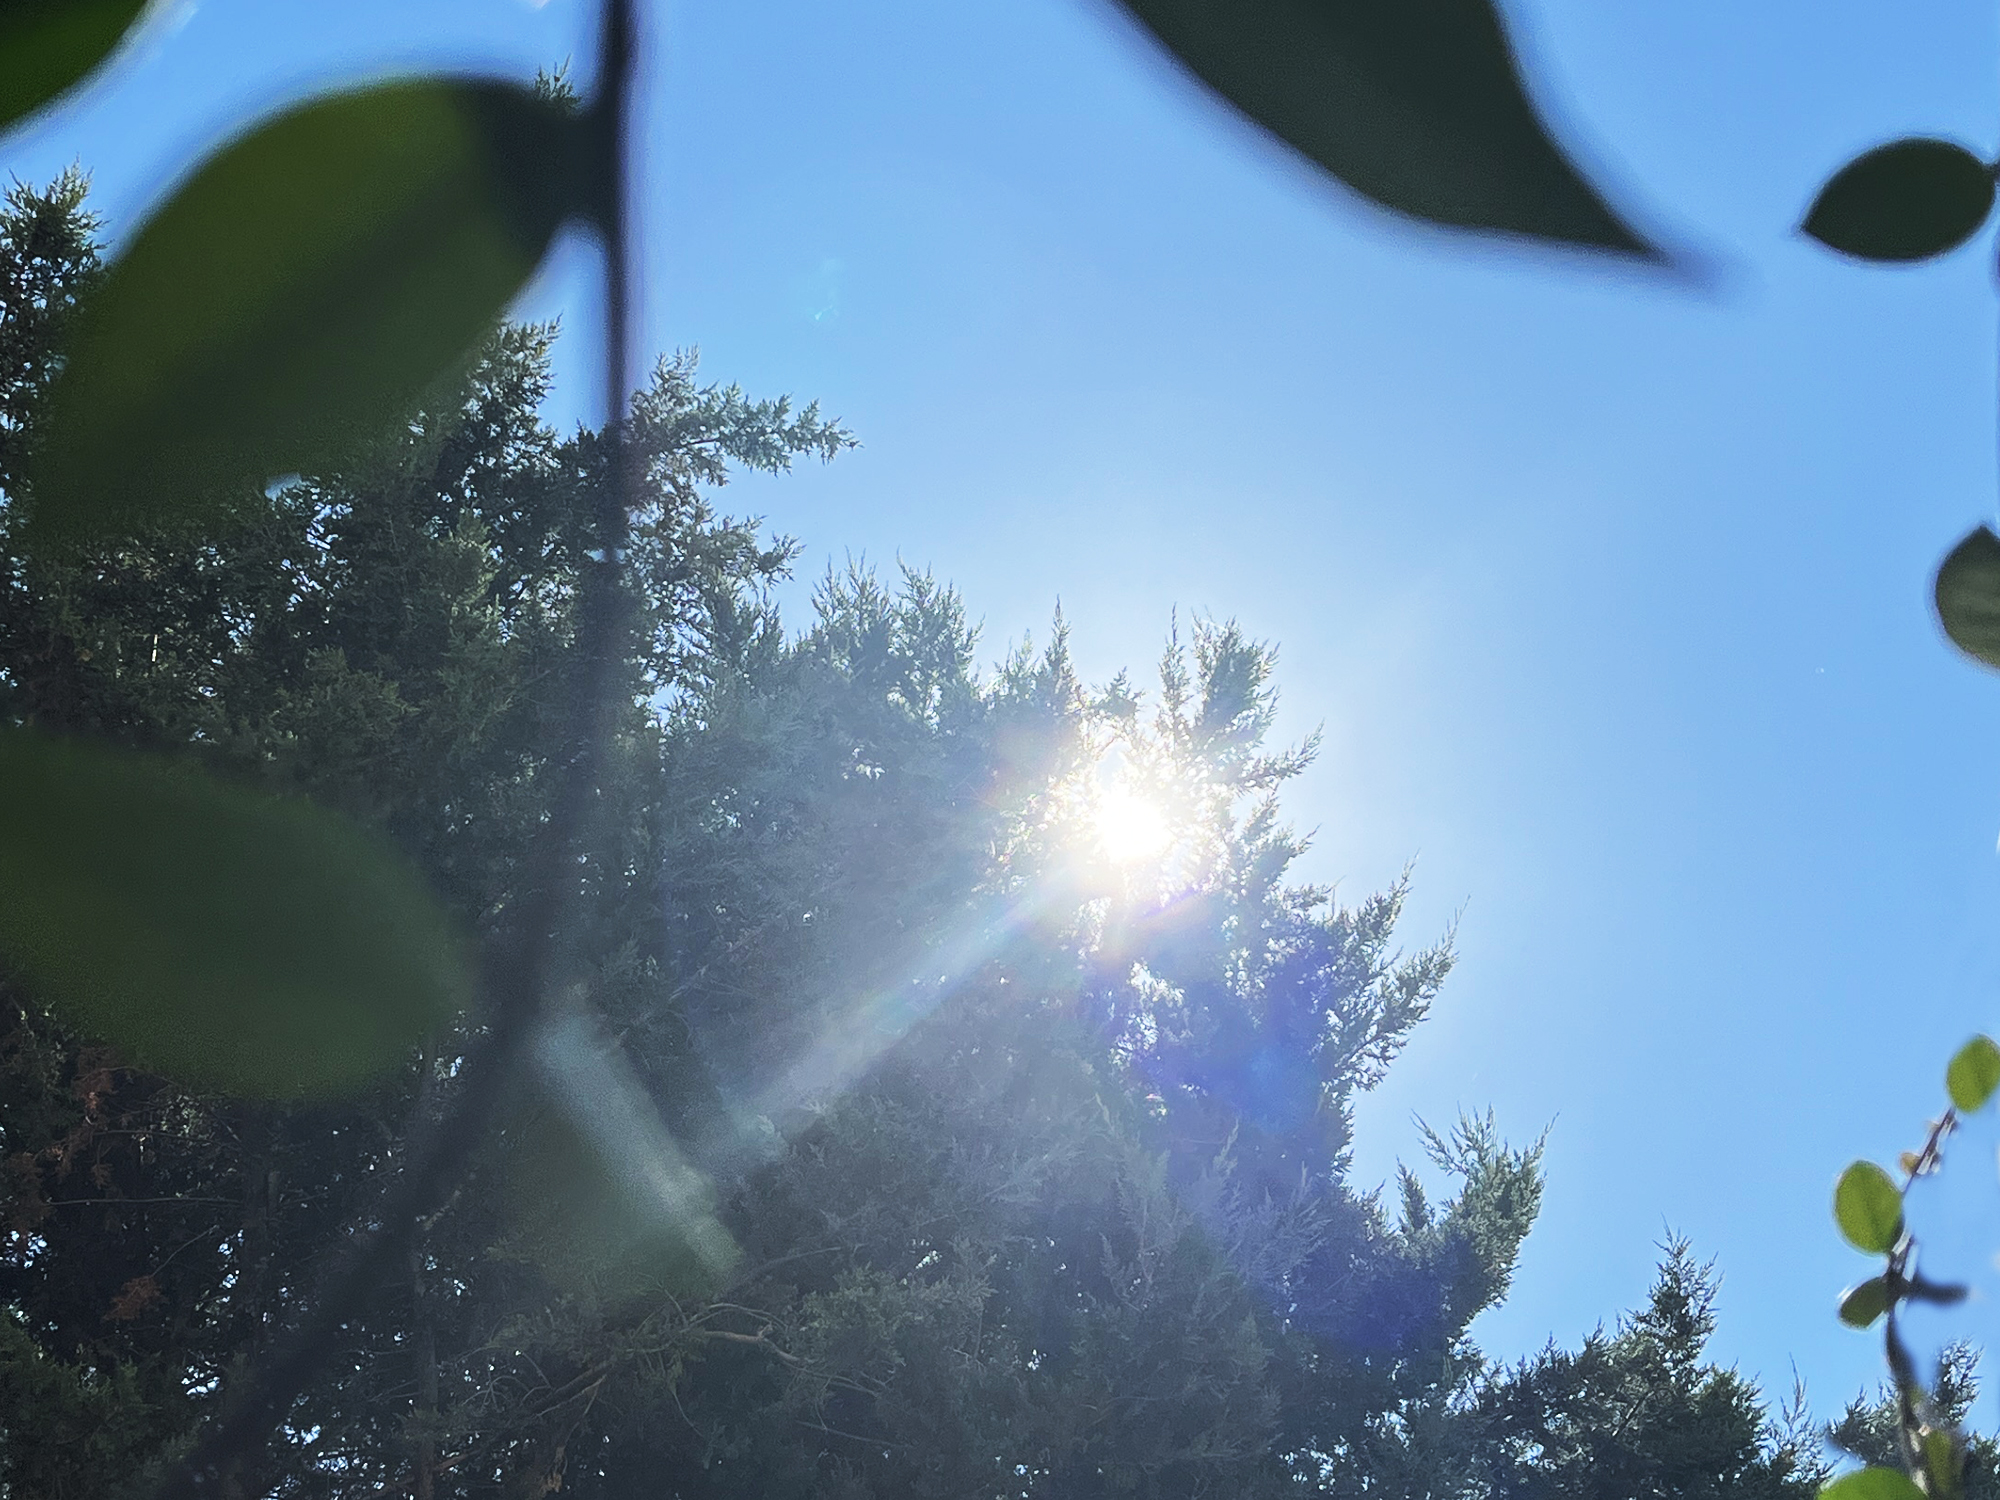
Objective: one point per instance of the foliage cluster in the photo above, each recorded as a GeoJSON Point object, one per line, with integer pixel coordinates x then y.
{"type": "Point", "coordinates": [1028, 1168]}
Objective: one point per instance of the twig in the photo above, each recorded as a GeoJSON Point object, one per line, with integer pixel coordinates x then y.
{"type": "Point", "coordinates": [756, 1339]}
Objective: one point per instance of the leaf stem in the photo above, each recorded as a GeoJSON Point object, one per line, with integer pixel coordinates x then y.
{"type": "Point", "coordinates": [1910, 1395]}
{"type": "Point", "coordinates": [516, 974]}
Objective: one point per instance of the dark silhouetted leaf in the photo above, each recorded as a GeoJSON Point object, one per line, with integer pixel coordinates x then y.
{"type": "Point", "coordinates": [1868, 1208]}
{"type": "Point", "coordinates": [1418, 104]}
{"type": "Point", "coordinates": [1863, 1304]}
{"type": "Point", "coordinates": [48, 45]}
{"type": "Point", "coordinates": [298, 293]}
{"type": "Point", "coordinates": [245, 943]}
{"type": "Point", "coordinates": [1873, 1484]}
{"type": "Point", "coordinates": [1968, 596]}
{"type": "Point", "coordinates": [1973, 1075]}
{"type": "Point", "coordinates": [1908, 200]}
{"type": "Point", "coordinates": [1936, 1293]}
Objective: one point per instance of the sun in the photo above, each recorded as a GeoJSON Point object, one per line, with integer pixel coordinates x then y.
{"type": "Point", "coordinates": [1130, 828]}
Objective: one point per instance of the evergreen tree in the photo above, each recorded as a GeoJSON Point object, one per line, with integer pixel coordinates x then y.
{"type": "Point", "coordinates": [1038, 1245]}
{"type": "Point", "coordinates": [1640, 1415]}
{"type": "Point", "coordinates": [382, 639]}
{"type": "Point", "coordinates": [1869, 1429]}
{"type": "Point", "coordinates": [1031, 1136]}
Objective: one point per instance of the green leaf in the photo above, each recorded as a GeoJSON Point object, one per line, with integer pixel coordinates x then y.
{"type": "Point", "coordinates": [46, 46]}
{"type": "Point", "coordinates": [1967, 594]}
{"type": "Point", "coordinates": [1417, 104]}
{"type": "Point", "coordinates": [1908, 200]}
{"type": "Point", "coordinates": [1973, 1075]}
{"type": "Point", "coordinates": [1862, 1305]}
{"type": "Point", "coordinates": [298, 294]}
{"type": "Point", "coordinates": [1944, 1463]}
{"type": "Point", "coordinates": [233, 941]}
{"type": "Point", "coordinates": [1868, 1208]}
{"type": "Point", "coordinates": [1873, 1484]}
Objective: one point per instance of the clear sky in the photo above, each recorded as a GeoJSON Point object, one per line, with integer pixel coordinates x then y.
{"type": "Point", "coordinates": [1612, 598]}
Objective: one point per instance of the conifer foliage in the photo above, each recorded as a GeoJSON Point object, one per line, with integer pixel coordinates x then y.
{"type": "Point", "coordinates": [1004, 1156]}
{"type": "Point", "coordinates": [1639, 1411]}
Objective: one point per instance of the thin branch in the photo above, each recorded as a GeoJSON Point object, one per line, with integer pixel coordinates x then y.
{"type": "Point", "coordinates": [756, 1339]}
{"type": "Point", "coordinates": [855, 1437]}
{"type": "Point", "coordinates": [121, 1202]}
{"type": "Point", "coordinates": [515, 976]}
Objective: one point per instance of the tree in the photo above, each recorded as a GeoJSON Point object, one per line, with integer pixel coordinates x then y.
{"type": "Point", "coordinates": [1070, 1235]}
{"type": "Point", "coordinates": [380, 638]}
{"type": "Point", "coordinates": [1638, 1413]}
{"type": "Point", "coordinates": [1870, 1430]}
{"type": "Point", "coordinates": [1036, 1161]}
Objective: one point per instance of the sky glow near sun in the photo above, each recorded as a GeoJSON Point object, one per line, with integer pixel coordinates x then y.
{"type": "Point", "coordinates": [1130, 828]}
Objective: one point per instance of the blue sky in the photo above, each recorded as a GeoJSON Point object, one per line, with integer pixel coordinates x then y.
{"type": "Point", "coordinates": [1611, 598]}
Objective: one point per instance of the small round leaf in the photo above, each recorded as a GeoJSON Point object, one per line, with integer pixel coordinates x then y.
{"type": "Point", "coordinates": [46, 46]}
{"type": "Point", "coordinates": [1908, 200]}
{"type": "Point", "coordinates": [298, 294]}
{"type": "Point", "coordinates": [1873, 1484]}
{"type": "Point", "coordinates": [1862, 1305]}
{"type": "Point", "coordinates": [1868, 1208]}
{"type": "Point", "coordinates": [249, 944]}
{"type": "Point", "coordinates": [1968, 596]}
{"type": "Point", "coordinates": [1973, 1075]}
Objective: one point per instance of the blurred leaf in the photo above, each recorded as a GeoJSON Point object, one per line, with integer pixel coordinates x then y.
{"type": "Point", "coordinates": [1944, 1463]}
{"type": "Point", "coordinates": [1868, 1208]}
{"type": "Point", "coordinates": [1908, 200]}
{"type": "Point", "coordinates": [46, 46]}
{"type": "Point", "coordinates": [232, 941]}
{"type": "Point", "coordinates": [1936, 1293]}
{"type": "Point", "coordinates": [1863, 1304]}
{"type": "Point", "coordinates": [298, 293]}
{"type": "Point", "coordinates": [1873, 1484]}
{"type": "Point", "coordinates": [602, 1193]}
{"type": "Point", "coordinates": [1417, 104]}
{"type": "Point", "coordinates": [1973, 1075]}
{"type": "Point", "coordinates": [1968, 596]}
